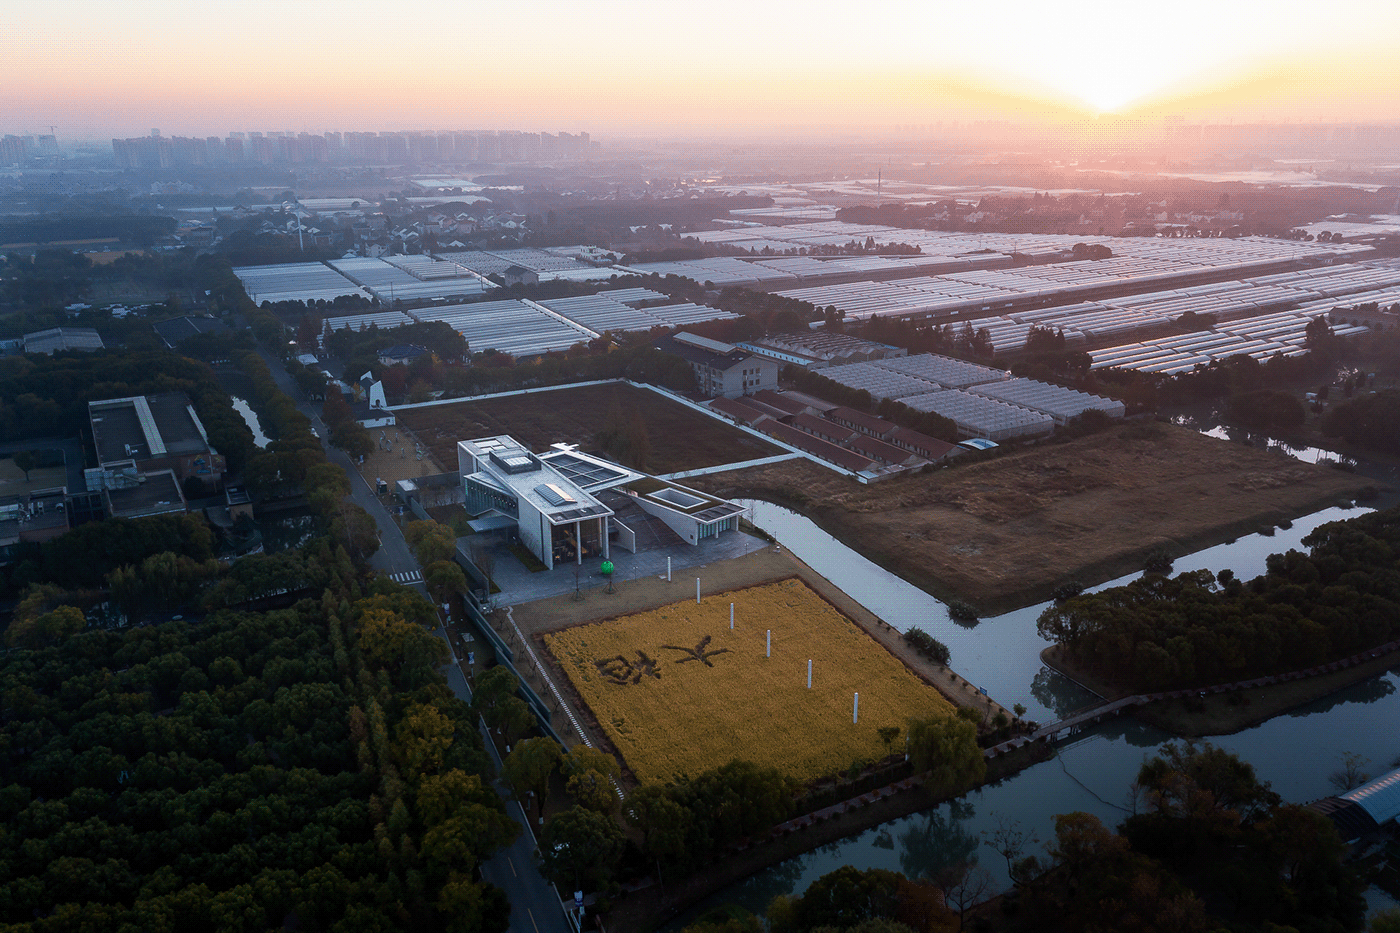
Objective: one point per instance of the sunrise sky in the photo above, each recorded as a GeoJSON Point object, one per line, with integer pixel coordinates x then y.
{"type": "Point", "coordinates": [99, 69]}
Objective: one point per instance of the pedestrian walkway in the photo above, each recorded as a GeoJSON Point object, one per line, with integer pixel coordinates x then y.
{"type": "Point", "coordinates": [407, 576]}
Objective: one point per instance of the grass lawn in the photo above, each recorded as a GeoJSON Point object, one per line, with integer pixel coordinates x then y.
{"type": "Point", "coordinates": [678, 693]}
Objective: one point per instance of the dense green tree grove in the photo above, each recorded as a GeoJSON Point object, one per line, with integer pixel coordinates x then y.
{"type": "Point", "coordinates": [1371, 421]}
{"type": "Point", "coordinates": [1159, 632]}
{"type": "Point", "coordinates": [305, 768]}
{"type": "Point", "coordinates": [1208, 847]}
{"type": "Point", "coordinates": [49, 395]}
{"type": "Point", "coordinates": [688, 822]}
{"type": "Point", "coordinates": [1212, 848]}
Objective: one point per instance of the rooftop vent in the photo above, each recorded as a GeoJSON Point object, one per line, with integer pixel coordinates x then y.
{"type": "Point", "coordinates": [514, 461]}
{"type": "Point", "coordinates": [554, 495]}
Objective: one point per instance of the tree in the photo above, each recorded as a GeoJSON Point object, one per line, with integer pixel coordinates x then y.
{"type": "Point", "coordinates": [887, 735]}
{"type": "Point", "coordinates": [26, 460]}
{"type": "Point", "coordinates": [512, 716]}
{"type": "Point", "coordinates": [423, 737]}
{"type": "Point", "coordinates": [579, 847]}
{"type": "Point", "coordinates": [591, 778]}
{"type": "Point", "coordinates": [1081, 841]}
{"type": "Point", "coordinates": [664, 823]}
{"type": "Point", "coordinates": [1009, 841]}
{"type": "Point", "coordinates": [444, 578]}
{"type": "Point", "coordinates": [946, 748]}
{"type": "Point", "coordinates": [964, 886]}
{"type": "Point", "coordinates": [357, 529]}
{"type": "Point", "coordinates": [848, 896]}
{"type": "Point", "coordinates": [47, 629]}
{"type": "Point", "coordinates": [335, 411]}
{"type": "Point", "coordinates": [431, 541]}
{"type": "Point", "coordinates": [493, 685]}
{"type": "Point", "coordinates": [1350, 775]}
{"type": "Point", "coordinates": [351, 437]}
{"type": "Point", "coordinates": [529, 766]}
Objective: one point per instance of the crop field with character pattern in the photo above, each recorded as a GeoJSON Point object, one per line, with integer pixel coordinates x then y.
{"type": "Point", "coordinates": [678, 692]}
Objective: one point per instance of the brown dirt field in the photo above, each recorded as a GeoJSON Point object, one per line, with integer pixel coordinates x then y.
{"type": "Point", "coordinates": [1004, 533]}
{"type": "Point", "coordinates": [681, 439]}
{"type": "Point", "coordinates": [399, 463]}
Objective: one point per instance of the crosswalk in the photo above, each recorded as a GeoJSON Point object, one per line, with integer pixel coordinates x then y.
{"type": "Point", "coordinates": [407, 576]}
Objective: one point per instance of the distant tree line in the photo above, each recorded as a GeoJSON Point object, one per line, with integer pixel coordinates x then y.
{"type": "Point", "coordinates": [137, 229]}
{"type": "Point", "coordinates": [1371, 421]}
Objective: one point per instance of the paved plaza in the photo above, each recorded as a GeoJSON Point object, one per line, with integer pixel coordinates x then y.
{"type": "Point", "coordinates": [519, 585]}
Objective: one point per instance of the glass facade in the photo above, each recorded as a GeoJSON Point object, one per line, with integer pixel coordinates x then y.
{"type": "Point", "coordinates": [482, 498]}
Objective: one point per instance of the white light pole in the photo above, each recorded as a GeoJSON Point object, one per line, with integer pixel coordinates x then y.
{"type": "Point", "coordinates": [855, 710]}
{"type": "Point", "coordinates": [809, 673]}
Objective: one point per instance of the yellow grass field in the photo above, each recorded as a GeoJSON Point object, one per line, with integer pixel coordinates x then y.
{"type": "Point", "coordinates": [673, 703]}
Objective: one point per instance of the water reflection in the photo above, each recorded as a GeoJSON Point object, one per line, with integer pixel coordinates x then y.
{"type": "Point", "coordinates": [251, 417]}
{"type": "Point", "coordinates": [758, 890]}
{"type": "Point", "coordinates": [287, 531]}
{"type": "Point", "coordinates": [938, 840]}
{"type": "Point", "coordinates": [1370, 691]}
{"type": "Point", "coordinates": [1214, 426]}
{"type": "Point", "coordinates": [1058, 694]}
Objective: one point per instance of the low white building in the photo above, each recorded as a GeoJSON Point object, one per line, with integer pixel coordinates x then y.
{"type": "Point", "coordinates": [554, 500]}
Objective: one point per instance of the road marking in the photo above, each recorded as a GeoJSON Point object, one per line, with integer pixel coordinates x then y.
{"type": "Point", "coordinates": [512, 867]}
{"type": "Point", "coordinates": [532, 920]}
{"type": "Point", "coordinates": [407, 576]}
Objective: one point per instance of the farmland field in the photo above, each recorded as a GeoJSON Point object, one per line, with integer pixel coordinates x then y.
{"type": "Point", "coordinates": [1005, 533]}
{"type": "Point", "coordinates": [678, 692]}
{"type": "Point", "coordinates": [680, 438]}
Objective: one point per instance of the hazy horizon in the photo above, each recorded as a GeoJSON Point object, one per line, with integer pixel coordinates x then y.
{"type": "Point", "coordinates": [105, 70]}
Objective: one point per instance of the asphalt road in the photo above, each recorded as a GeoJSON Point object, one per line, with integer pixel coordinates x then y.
{"type": "Point", "coordinates": [535, 906]}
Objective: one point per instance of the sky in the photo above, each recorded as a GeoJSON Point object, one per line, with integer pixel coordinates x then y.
{"type": "Point", "coordinates": [103, 69]}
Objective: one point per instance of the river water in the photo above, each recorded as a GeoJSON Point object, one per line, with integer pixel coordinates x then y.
{"type": "Point", "coordinates": [250, 416]}
{"type": "Point", "coordinates": [1295, 752]}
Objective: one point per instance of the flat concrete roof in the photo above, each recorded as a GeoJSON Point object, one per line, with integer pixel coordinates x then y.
{"type": "Point", "coordinates": [143, 427]}
{"type": "Point", "coordinates": [548, 490]}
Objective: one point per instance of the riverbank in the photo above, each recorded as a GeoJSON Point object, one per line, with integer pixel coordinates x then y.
{"type": "Point", "coordinates": [1213, 714]}
{"type": "Point", "coordinates": [1007, 532]}
{"type": "Point", "coordinates": [650, 907]}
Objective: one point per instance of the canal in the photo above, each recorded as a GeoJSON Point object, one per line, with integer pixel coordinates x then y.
{"type": "Point", "coordinates": [1094, 772]}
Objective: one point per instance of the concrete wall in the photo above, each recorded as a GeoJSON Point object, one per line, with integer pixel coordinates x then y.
{"type": "Point", "coordinates": [626, 537]}
{"type": "Point", "coordinates": [535, 533]}
{"type": "Point", "coordinates": [681, 524]}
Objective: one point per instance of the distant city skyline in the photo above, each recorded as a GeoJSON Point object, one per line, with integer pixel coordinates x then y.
{"type": "Point", "coordinates": [97, 70]}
